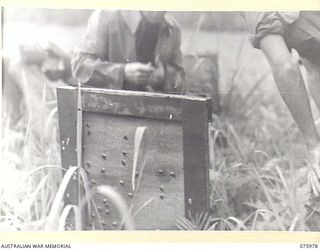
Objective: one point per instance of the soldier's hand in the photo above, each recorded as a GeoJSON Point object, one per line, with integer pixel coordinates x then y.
{"type": "Point", "coordinates": [138, 73]}
{"type": "Point", "coordinates": [157, 76]}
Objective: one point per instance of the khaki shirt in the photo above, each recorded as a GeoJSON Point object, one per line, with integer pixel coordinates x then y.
{"type": "Point", "coordinates": [253, 18]}
{"type": "Point", "coordinates": [109, 43]}
{"type": "Point", "coordinates": [262, 23]}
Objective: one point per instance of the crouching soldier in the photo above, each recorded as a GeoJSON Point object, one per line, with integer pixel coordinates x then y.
{"type": "Point", "coordinates": [130, 50]}
{"type": "Point", "coordinates": [276, 34]}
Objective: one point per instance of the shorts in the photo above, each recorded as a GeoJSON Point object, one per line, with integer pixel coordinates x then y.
{"type": "Point", "coordinates": [303, 35]}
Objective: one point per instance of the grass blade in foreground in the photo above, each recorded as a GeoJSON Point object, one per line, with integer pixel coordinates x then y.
{"type": "Point", "coordinates": [64, 216]}
{"type": "Point", "coordinates": [141, 142]}
{"type": "Point", "coordinates": [58, 201]}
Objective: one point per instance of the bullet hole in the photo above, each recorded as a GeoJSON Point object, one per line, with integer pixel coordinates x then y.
{"type": "Point", "coordinates": [172, 174]}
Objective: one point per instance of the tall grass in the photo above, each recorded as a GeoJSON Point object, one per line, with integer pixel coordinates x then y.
{"type": "Point", "coordinates": [26, 193]}
{"type": "Point", "coordinates": [31, 172]}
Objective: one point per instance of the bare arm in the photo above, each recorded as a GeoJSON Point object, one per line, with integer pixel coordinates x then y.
{"type": "Point", "coordinates": [291, 85]}
{"type": "Point", "coordinates": [293, 91]}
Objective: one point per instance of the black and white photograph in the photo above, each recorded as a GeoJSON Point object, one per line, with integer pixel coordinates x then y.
{"type": "Point", "coordinates": [160, 120]}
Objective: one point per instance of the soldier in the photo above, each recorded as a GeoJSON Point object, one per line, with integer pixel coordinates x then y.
{"type": "Point", "coordinates": [276, 33]}
{"type": "Point", "coordinates": [131, 50]}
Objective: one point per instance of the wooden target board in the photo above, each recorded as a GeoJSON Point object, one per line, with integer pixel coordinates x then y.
{"type": "Point", "coordinates": [175, 180]}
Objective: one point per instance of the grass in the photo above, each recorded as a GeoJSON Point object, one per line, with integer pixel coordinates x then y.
{"type": "Point", "coordinates": [26, 196]}
{"type": "Point", "coordinates": [258, 182]}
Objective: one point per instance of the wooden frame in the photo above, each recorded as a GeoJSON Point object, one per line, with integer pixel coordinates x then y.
{"type": "Point", "coordinates": [194, 114]}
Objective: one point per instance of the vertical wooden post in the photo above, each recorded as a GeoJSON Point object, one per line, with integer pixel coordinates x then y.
{"type": "Point", "coordinates": [67, 106]}
{"type": "Point", "coordinates": [195, 118]}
